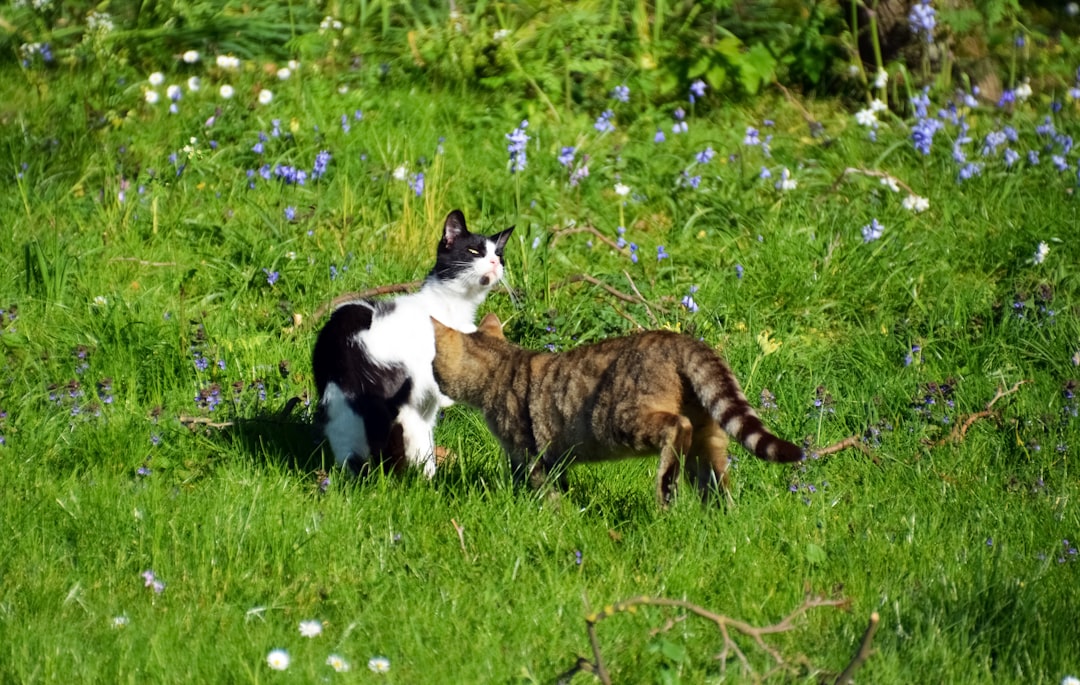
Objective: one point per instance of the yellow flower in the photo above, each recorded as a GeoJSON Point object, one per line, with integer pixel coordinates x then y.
{"type": "Point", "coordinates": [767, 345]}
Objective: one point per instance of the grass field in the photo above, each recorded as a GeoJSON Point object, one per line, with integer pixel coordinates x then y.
{"type": "Point", "coordinates": [163, 276]}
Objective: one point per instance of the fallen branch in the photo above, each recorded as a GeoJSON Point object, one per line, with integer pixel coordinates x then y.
{"type": "Point", "coordinates": [816, 127]}
{"type": "Point", "coordinates": [724, 624]}
{"type": "Point", "coordinates": [141, 262]}
{"type": "Point", "coordinates": [961, 428]}
{"type": "Point", "coordinates": [863, 654]}
{"type": "Point", "coordinates": [585, 229]}
{"type": "Point", "coordinates": [869, 172]}
{"type": "Point", "coordinates": [193, 421]}
{"type": "Point", "coordinates": [363, 295]}
{"type": "Point", "coordinates": [460, 534]}
{"type": "Point", "coordinates": [644, 302]}
{"type": "Point", "coordinates": [855, 442]}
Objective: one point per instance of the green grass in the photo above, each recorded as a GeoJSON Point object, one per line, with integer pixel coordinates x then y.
{"type": "Point", "coordinates": [956, 546]}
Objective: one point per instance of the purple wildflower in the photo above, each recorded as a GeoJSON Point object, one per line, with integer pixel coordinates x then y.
{"type": "Point", "coordinates": [697, 90]}
{"type": "Point", "coordinates": [603, 122]}
{"type": "Point", "coordinates": [517, 148]}
{"type": "Point", "coordinates": [661, 253]}
{"type": "Point", "coordinates": [659, 137]}
{"type": "Point", "coordinates": [872, 231]}
{"type": "Point", "coordinates": [752, 136]}
{"type": "Point", "coordinates": [321, 160]}
{"type": "Point", "coordinates": [566, 156]}
{"type": "Point", "coordinates": [922, 19]}
{"type": "Point", "coordinates": [705, 155]}
{"type": "Point", "coordinates": [739, 271]}
{"type": "Point", "coordinates": [621, 93]}
{"type": "Point", "coordinates": [417, 183]}
{"type": "Point", "coordinates": [290, 213]}
{"type": "Point", "coordinates": [271, 276]}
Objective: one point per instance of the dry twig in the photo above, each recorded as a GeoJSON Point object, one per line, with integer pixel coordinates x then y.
{"type": "Point", "coordinates": [961, 428]}
{"type": "Point", "coordinates": [869, 172]}
{"type": "Point", "coordinates": [585, 229]}
{"type": "Point", "coordinates": [855, 441]}
{"type": "Point", "coordinates": [644, 302]}
{"type": "Point", "coordinates": [141, 262]}
{"type": "Point", "coordinates": [863, 654]}
{"type": "Point", "coordinates": [725, 625]}
{"type": "Point", "coordinates": [363, 295]}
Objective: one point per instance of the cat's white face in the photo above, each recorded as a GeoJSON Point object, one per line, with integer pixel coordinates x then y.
{"type": "Point", "coordinates": [488, 267]}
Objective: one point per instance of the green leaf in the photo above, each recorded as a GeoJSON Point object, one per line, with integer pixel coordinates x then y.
{"type": "Point", "coordinates": [815, 554]}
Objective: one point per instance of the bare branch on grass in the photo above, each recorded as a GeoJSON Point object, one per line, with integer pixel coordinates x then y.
{"type": "Point", "coordinates": [344, 298]}
{"type": "Point", "coordinates": [869, 172]}
{"type": "Point", "coordinates": [725, 624]}
{"type": "Point", "coordinates": [863, 654]}
{"type": "Point", "coordinates": [961, 428]}
{"type": "Point", "coordinates": [585, 229]}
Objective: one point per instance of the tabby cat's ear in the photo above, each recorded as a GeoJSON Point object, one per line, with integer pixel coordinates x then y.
{"type": "Point", "coordinates": [492, 326]}
{"type": "Point", "coordinates": [500, 239]}
{"type": "Point", "coordinates": [453, 228]}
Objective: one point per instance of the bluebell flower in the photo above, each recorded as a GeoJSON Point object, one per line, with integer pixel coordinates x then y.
{"type": "Point", "coordinates": [519, 141]}
{"type": "Point", "coordinates": [566, 157]}
{"type": "Point", "coordinates": [872, 231]}
{"type": "Point", "coordinates": [621, 93]}
{"type": "Point", "coordinates": [257, 148]}
{"type": "Point", "coordinates": [1011, 156]}
{"type": "Point", "coordinates": [922, 19]}
{"type": "Point", "coordinates": [333, 272]}
{"type": "Point", "coordinates": [321, 160]}
{"type": "Point", "coordinates": [276, 127]}
{"type": "Point", "coordinates": [688, 300]}
{"type": "Point", "coordinates": [661, 253]}
{"type": "Point", "coordinates": [1033, 157]}
{"type": "Point", "coordinates": [633, 252]}
{"type": "Point", "coordinates": [752, 136]}
{"type": "Point", "coordinates": [417, 183]}
{"type": "Point", "coordinates": [659, 137]}
{"type": "Point", "coordinates": [1007, 97]}
{"type": "Point", "coordinates": [1046, 128]}
{"type": "Point", "coordinates": [705, 155]}
{"type": "Point", "coordinates": [765, 173]}
{"type": "Point", "coordinates": [739, 271]}
{"type": "Point", "coordinates": [1059, 162]}
{"type": "Point", "coordinates": [290, 213]}
{"type": "Point", "coordinates": [968, 171]}
{"type": "Point", "coordinates": [697, 90]}
{"type": "Point", "coordinates": [344, 123]}
{"type": "Point", "coordinates": [603, 122]}
{"type": "Point", "coordinates": [271, 276]}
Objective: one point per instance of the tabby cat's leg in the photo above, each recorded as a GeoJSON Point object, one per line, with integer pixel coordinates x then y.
{"type": "Point", "coordinates": [672, 433]}
{"type": "Point", "coordinates": [706, 463]}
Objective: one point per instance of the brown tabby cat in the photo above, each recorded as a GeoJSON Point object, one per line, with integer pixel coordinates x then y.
{"type": "Point", "coordinates": [631, 396]}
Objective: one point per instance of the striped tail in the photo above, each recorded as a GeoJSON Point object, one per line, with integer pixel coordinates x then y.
{"type": "Point", "coordinates": [719, 392]}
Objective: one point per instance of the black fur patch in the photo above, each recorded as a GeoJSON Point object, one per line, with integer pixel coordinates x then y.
{"type": "Point", "coordinates": [375, 392]}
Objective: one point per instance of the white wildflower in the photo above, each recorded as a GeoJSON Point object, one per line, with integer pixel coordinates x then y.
{"type": "Point", "coordinates": [501, 35]}
{"type": "Point", "coordinates": [1023, 91]}
{"type": "Point", "coordinates": [310, 628]}
{"type": "Point", "coordinates": [226, 91]}
{"type": "Point", "coordinates": [379, 664]}
{"type": "Point", "coordinates": [228, 62]}
{"type": "Point", "coordinates": [1040, 253]}
{"type": "Point", "coordinates": [190, 57]}
{"type": "Point", "coordinates": [876, 105]}
{"type": "Point", "coordinates": [866, 117]}
{"type": "Point", "coordinates": [890, 183]}
{"type": "Point", "coordinates": [265, 96]}
{"type": "Point", "coordinates": [881, 78]}
{"type": "Point", "coordinates": [152, 97]}
{"type": "Point", "coordinates": [156, 79]}
{"type": "Point", "coordinates": [278, 659]}
{"type": "Point", "coordinates": [401, 173]}
{"type": "Point", "coordinates": [915, 203]}
{"type": "Point", "coordinates": [337, 663]}
{"type": "Point", "coordinates": [194, 83]}
{"type": "Point", "coordinates": [622, 189]}
{"type": "Point", "coordinates": [284, 73]}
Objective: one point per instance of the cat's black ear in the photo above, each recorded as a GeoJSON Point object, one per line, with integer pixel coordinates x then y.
{"type": "Point", "coordinates": [501, 238]}
{"type": "Point", "coordinates": [454, 228]}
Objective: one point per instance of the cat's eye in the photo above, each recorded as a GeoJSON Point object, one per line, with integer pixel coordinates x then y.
{"type": "Point", "coordinates": [474, 251]}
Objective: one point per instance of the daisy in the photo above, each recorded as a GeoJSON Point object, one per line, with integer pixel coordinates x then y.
{"type": "Point", "coordinates": [190, 57]}
{"type": "Point", "coordinates": [1040, 253]}
{"type": "Point", "coordinates": [156, 78]}
{"type": "Point", "coordinates": [622, 189]}
{"type": "Point", "coordinates": [914, 203]}
{"type": "Point", "coordinates": [151, 97]}
{"type": "Point", "coordinates": [226, 91]}
{"type": "Point", "coordinates": [310, 628]}
{"type": "Point", "coordinates": [265, 96]}
{"type": "Point", "coordinates": [337, 663]}
{"type": "Point", "coordinates": [379, 664]}
{"type": "Point", "coordinates": [278, 659]}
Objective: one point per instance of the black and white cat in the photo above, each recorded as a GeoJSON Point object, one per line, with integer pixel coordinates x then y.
{"type": "Point", "coordinates": [378, 399]}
